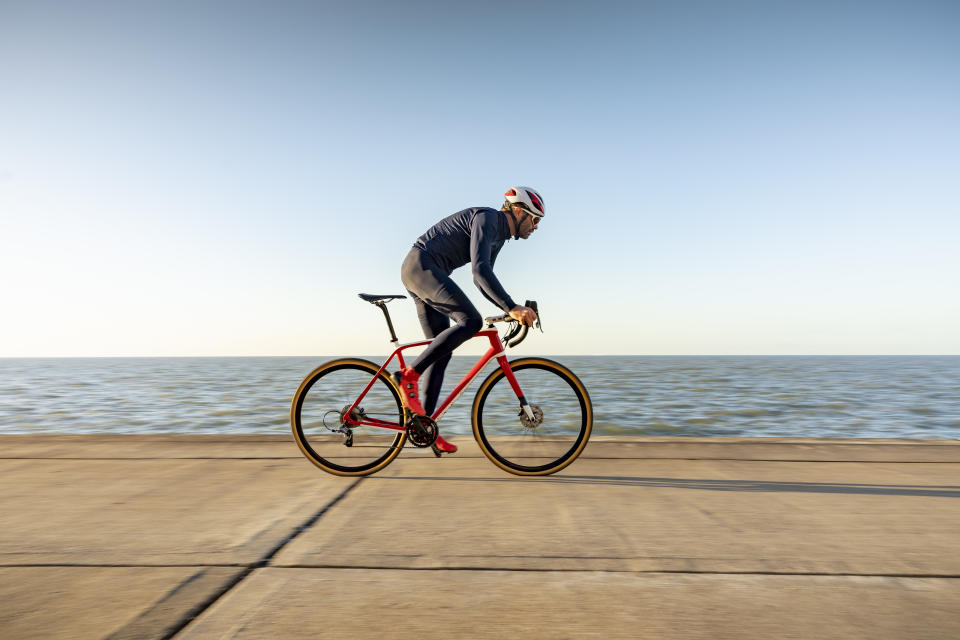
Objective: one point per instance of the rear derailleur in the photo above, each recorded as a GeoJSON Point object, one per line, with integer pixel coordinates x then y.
{"type": "Point", "coordinates": [356, 415]}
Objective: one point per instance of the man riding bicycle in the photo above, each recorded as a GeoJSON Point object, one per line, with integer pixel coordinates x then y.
{"type": "Point", "coordinates": [473, 235]}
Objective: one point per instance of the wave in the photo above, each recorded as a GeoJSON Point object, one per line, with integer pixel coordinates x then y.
{"type": "Point", "coordinates": [839, 396]}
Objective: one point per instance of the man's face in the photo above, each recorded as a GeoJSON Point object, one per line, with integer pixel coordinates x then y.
{"type": "Point", "coordinates": [528, 224]}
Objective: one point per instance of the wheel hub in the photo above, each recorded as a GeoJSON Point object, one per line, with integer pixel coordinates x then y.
{"type": "Point", "coordinates": [527, 421]}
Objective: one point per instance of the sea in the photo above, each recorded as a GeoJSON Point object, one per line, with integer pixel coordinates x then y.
{"type": "Point", "coordinates": [775, 396]}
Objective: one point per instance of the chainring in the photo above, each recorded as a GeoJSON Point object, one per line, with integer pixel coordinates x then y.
{"type": "Point", "coordinates": [422, 431]}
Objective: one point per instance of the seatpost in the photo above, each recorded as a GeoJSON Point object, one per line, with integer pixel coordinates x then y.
{"type": "Point", "coordinates": [386, 314]}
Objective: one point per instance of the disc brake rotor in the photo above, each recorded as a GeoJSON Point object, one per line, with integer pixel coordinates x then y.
{"type": "Point", "coordinates": [527, 421]}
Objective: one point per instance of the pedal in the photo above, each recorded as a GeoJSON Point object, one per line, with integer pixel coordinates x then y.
{"type": "Point", "coordinates": [436, 450]}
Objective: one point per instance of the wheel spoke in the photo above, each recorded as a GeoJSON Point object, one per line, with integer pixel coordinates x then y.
{"type": "Point", "coordinates": [330, 443]}
{"type": "Point", "coordinates": [559, 430]}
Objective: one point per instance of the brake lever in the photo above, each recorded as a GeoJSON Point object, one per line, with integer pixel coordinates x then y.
{"type": "Point", "coordinates": [533, 305]}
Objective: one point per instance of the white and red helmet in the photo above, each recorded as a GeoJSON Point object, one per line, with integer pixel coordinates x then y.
{"type": "Point", "coordinates": [527, 198]}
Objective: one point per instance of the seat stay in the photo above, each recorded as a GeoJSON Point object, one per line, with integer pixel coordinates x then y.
{"type": "Point", "coordinates": [380, 371]}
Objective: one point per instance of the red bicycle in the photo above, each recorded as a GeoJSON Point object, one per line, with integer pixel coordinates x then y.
{"type": "Point", "coordinates": [348, 419]}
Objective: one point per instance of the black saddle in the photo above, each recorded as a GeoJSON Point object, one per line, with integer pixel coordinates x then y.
{"type": "Point", "coordinates": [375, 299]}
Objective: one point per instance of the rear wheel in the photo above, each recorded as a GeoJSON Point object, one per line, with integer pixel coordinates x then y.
{"type": "Point", "coordinates": [317, 417]}
{"type": "Point", "coordinates": [550, 440]}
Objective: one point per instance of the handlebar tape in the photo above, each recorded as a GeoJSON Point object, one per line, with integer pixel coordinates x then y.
{"type": "Point", "coordinates": [532, 304]}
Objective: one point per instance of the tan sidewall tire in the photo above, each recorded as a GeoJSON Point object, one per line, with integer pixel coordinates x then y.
{"type": "Point", "coordinates": [497, 375]}
{"type": "Point", "coordinates": [305, 447]}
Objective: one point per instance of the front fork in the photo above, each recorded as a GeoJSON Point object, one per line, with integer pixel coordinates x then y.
{"type": "Point", "coordinates": [512, 379]}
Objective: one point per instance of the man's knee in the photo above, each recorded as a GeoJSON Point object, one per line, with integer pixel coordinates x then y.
{"type": "Point", "coordinates": [471, 321]}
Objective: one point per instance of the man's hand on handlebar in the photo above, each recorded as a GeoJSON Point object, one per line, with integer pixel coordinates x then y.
{"type": "Point", "coordinates": [523, 315]}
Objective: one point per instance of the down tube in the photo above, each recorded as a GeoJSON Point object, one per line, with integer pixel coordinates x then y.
{"type": "Point", "coordinates": [467, 379]}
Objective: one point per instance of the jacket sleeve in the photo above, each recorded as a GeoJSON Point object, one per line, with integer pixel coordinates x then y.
{"type": "Point", "coordinates": [482, 233]}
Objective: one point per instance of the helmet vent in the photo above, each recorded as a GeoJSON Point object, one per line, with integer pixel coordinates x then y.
{"type": "Point", "coordinates": [535, 200]}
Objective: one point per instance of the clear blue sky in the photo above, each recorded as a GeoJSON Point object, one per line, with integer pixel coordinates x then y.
{"type": "Point", "coordinates": [196, 178]}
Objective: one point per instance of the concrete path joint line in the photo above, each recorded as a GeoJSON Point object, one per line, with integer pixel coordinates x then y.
{"type": "Point", "coordinates": [192, 615]}
{"type": "Point", "coordinates": [692, 572]}
{"type": "Point", "coordinates": [351, 567]}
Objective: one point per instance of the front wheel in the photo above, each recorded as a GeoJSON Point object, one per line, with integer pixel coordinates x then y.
{"type": "Point", "coordinates": [319, 418]}
{"type": "Point", "coordinates": [549, 440]}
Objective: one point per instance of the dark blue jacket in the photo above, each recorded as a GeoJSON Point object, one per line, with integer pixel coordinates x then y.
{"type": "Point", "coordinates": [473, 235]}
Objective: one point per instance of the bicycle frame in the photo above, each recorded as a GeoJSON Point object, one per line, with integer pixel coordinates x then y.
{"type": "Point", "coordinates": [494, 352]}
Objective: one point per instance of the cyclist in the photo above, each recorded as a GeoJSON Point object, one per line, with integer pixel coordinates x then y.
{"type": "Point", "coordinates": [473, 235]}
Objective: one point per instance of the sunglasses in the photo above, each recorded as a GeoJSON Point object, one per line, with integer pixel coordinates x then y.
{"type": "Point", "coordinates": [533, 214]}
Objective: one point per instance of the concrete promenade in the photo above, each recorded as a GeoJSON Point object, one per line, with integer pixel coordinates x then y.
{"type": "Point", "coordinates": [241, 537]}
